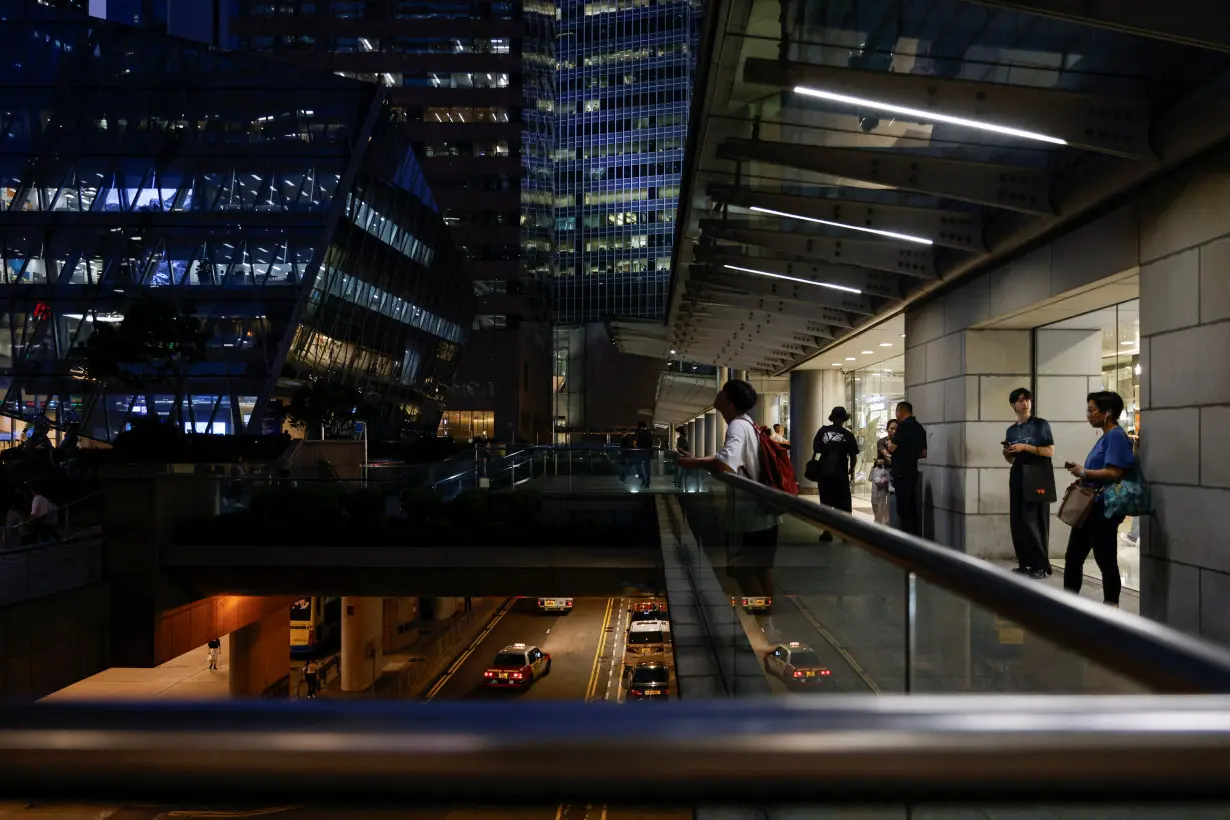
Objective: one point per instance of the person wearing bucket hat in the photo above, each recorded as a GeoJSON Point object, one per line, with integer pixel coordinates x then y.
{"type": "Point", "coordinates": [834, 454]}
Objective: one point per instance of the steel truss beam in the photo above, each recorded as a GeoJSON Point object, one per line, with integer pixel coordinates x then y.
{"type": "Point", "coordinates": [823, 319]}
{"type": "Point", "coordinates": [737, 282]}
{"type": "Point", "coordinates": [1012, 187]}
{"type": "Point", "coordinates": [699, 330]}
{"type": "Point", "coordinates": [1103, 124]}
{"type": "Point", "coordinates": [750, 301]}
{"type": "Point", "coordinates": [949, 229]}
{"type": "Point", "coordinates": [747, 339]}
{"type": "Point", "coordinates": [1202, 23]}
{"type": "Point", "coordinates": [853, 263]}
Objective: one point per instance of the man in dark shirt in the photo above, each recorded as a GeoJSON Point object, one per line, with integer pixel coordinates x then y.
{"type": "Point", "coordinates": [909, 444]}
{"type": "Point", "coordinates": [837, 450]}
{"type": "Point", "coordinates": [627, 454]}
{"type": "Point", "coordinates": [1029, 447]}
{"type": "Point", "coordinates": [644, 451]}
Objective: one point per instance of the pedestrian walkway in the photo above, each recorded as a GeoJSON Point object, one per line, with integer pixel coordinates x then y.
{"type": "Point", "coordinates": [187, 677]}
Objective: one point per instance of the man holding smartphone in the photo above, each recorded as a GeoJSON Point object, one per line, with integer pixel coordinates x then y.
{"type": "Point", "coordinates": [1028, 447]}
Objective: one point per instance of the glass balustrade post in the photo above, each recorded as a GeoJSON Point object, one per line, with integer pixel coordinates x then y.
{"type": "Point", "coordinates": [911, 628]}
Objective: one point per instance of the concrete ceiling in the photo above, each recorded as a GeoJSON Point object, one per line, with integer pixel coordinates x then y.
{"type": "Point", "coordinates": [798, 213]}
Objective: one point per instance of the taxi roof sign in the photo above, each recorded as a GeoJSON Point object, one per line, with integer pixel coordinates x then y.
{"type": "Point", "coordinates": [794, 644]}
{"type": "Point", "coordinates": [519, 645]}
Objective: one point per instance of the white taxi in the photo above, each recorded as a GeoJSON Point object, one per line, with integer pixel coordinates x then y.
{"type": "Point", "coordinates": [517, 665]}
{"type": "Point", "coordinates": [797, 664]}
{"type": "Point", "coordinates": [555, 604]}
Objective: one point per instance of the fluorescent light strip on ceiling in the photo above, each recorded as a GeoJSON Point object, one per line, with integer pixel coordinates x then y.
{"type": "Point", "coordinates": [927, 116]}
{"type": "Point", "coordinates": [890, 234]}
{"type": "Point", "coordinates": [829, 285]}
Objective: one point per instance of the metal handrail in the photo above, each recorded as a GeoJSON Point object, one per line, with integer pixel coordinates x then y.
{"type": "Point", "coordinates": [837, 748]}
{"type": "Point", "coordinates": [64, 511]}
{"type": "Point", "coordinates": [1156, 655]}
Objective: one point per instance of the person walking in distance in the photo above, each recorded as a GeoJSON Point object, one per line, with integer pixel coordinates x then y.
{"type": "Point", "coordinates": [644, 452]}
{"type": "Point", "coordinates": [1029, 447]}
{"type": "Point", "coordinates": [215, 649]}
{"type": "Point", "coordinates": [682, 445]}
{"type": "Point", "coordinates": [311, 675]}
{"type": "Point", "coordinates": [908, 445]}
{"type": "Point", "coordinates": [837, 452]}
{"type": "Point", "coordinates": [1108, 462]}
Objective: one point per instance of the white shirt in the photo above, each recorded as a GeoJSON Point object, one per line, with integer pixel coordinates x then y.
{"type": "Point", "coordinates": [741, 453]}
{"type": "Point", "coordinates": [741, 449]}
{"type": "Point", "coordinates": [41, 506]}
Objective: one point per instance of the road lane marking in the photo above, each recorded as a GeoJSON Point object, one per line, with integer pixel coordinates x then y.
{"type": "Point", "coordinates": [221, 814]}
{"type": "Point", "coordinates": [591, 688]}
{"type": "Point", "coordinates": [832, 641]}
{"type": "Point", "coordinates": [559, 812]}
{"type": "Point", "coordinates": [464, 656]}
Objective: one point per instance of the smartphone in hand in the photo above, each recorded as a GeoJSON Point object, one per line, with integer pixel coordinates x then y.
{"type": "Point", "coordinates": [1068, 465]}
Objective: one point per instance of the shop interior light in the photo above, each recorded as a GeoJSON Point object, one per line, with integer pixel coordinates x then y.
{"type": "Point", "coordinates": [927, 116]}
{"type": "Point", "coordinates": [868, 352]}
{"type": "Point", "coordinates": [886, 344]}
{"type": "Point", "coordinates": [829, 285]}
{"type": "Point", "coordinates": [890, 234]}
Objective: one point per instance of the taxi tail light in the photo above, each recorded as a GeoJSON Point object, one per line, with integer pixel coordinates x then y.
{"type": "Point", "coordinates": [488, 674]}
{"type": "Point", "coordinates": [745, 601]}
{"type": "Point", "coordinates": [541, 602]}
{"type": "Point", "coordinates": [768, 602]}
{"type": "Point", "coordinates": [638, 691]}
{"type": "Point", "coordinates": [568, 604]}
{"type": "Point", "coordinates": [798, 673]}
{"type": "Point", "coordinates": [825, 672]}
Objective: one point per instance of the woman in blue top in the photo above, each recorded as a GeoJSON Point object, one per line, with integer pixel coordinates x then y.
{"type": "Point", "coordinates": [1108, 461]}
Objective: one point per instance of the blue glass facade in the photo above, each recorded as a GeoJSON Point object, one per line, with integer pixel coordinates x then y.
{"type": "Point", "coordinates": [625, 79]}
{"type": "Point", "coordinates": [625, 83]}
{"type": "Point", "coordinates": [284, 209]}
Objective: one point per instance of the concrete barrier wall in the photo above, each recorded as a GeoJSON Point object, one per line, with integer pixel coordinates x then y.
{"type": "Point", "coordinates": [53, 641]}
{"type": "Point", "coordinates": [443, 650]}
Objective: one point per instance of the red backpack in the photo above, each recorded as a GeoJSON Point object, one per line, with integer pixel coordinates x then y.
{"type": "Point", "coordinates": [776, 471]}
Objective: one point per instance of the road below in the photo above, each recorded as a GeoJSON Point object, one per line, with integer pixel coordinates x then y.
{"type": "Point", "coordinates": [587, 650]}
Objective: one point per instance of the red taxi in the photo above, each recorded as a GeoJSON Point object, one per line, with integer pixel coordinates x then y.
{"type": "Point", "coordinates": [517, 665]}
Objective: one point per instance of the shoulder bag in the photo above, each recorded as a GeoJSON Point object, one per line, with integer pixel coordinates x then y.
{"type": "Point", "coordinates": [1129, 496]}
{"type": "Point", "coordinates": [1077, 504]}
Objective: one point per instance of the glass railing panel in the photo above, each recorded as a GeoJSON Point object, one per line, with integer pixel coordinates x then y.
{"type": "Point", "coordinates": [867, 609]}
{"type": "Point", "coordinates": [960, 646]}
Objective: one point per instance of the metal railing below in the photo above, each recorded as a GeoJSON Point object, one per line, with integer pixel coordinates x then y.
{"type": "Point", "coordinates": [837, 749]}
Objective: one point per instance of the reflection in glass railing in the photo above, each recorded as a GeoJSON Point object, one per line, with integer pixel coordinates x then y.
{"type": "Point", "coordinates": [875, 611]}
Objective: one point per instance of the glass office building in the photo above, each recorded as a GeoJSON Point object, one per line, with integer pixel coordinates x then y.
{"type": "Point", "coordinates": [283, 209]}
{"type": "Point", "coordinates": [473, 82]}
{"type": "Point", "coordinates": [625, 80]}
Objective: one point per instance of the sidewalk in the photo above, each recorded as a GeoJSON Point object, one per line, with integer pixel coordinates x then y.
{"type": "Point", "coordinates": [187, 677]}
{"type": "Point", "coordinates": [1129, 565]}
{"type": "Point", "coordinates": [408, 670]}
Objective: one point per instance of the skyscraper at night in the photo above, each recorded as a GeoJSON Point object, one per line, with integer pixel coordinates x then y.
{"type": "Point", "coordinates": [474, 82]}
{"type": "Point", "coordinates": [625, 79]}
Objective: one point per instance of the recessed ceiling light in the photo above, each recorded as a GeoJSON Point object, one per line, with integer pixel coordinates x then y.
{"type": "Point", "coordinates": [886, 344]}
{"type": "Point", "coordinates": [794, 279]}
{"type": "Point", "coordinates": [672, 352]}
{"type": "Point", "coordinates": [890, 234]}
{"type": "Point", "coordinates": [868, 352]}
{"type": "Point", "coordinates": [849, 358]}
{"type": "Point", "coordinates": [836, 364]}
{"type": "Point", "coordinates": [1128, 344]}
{"type": "Point", "coordinates": [927, 116]}
{"type": "Point", "coordinates": [902, 335]}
